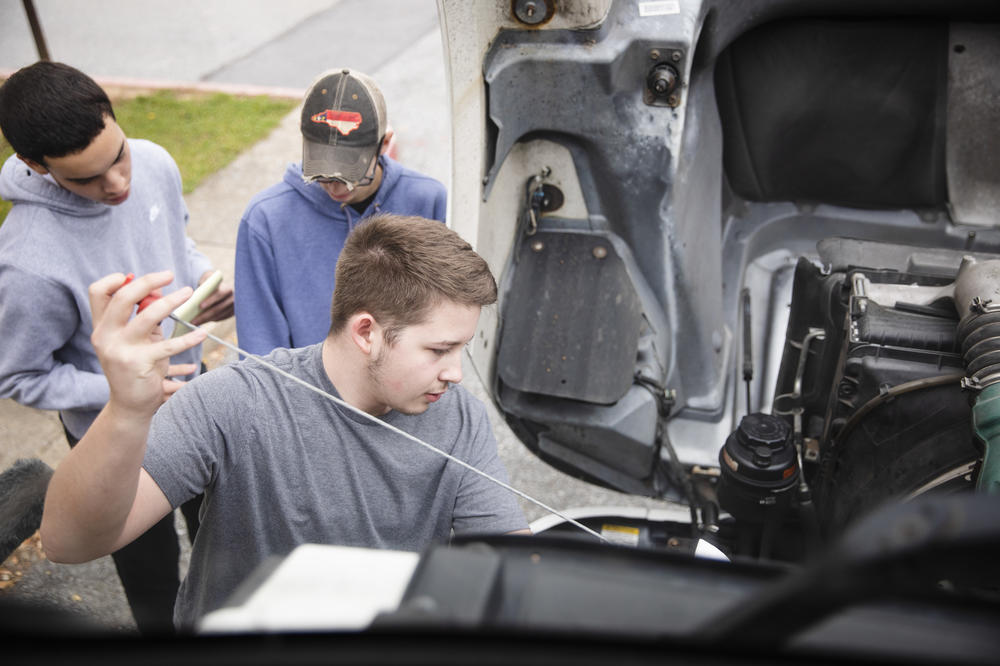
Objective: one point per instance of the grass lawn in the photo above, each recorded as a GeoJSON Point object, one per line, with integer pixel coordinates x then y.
{"type": "Point", "coordinates": [203, 131]}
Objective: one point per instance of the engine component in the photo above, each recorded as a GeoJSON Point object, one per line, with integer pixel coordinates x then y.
{"type": "Point", "coordinates": [978, 333]}
{"type": "Point", "coordinates": [758, 469]}
{"type": "Point", "coordinates": [662, 82]}
{"type": "Point", "coordinates": [881, 392]}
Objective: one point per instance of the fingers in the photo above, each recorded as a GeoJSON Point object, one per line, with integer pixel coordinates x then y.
{"type": "Point", "coordinates": [171, 386]}
{"type": "Point", "coordinates": [113, 300]}
{"type": "Point", "coordinates": [101, 291]}
{"type": "Point", "coordinates": [217, 306]}
{"type": "Point", "coordinates": [181, 369]}
{"type": "Point", "coordinates": [174, 346]}
{"type": "Point", "coordinates": [113, 297]}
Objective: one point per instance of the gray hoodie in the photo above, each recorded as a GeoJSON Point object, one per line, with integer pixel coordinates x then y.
{"type": "Point", "coordinates": [53, 245]}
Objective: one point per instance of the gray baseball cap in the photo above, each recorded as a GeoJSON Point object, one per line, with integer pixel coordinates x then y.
{"type": "Point", "coordinates": [343, 123]}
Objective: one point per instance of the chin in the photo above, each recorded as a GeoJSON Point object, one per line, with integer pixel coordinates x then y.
{"type": "Point", "coordinates": [412, 409]}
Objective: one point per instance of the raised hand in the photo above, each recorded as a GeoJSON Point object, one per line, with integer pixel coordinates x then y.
{"type": "Point", "coordinates": [132, 350]}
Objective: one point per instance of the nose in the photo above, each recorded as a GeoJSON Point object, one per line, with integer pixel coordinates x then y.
{"type": "Point", "coordinates": [116, 180]}
{"type": "Point", "coordinates": [452, 371]}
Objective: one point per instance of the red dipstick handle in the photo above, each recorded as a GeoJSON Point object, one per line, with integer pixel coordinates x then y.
{"type": "Point", "coordinates": [144, 303]}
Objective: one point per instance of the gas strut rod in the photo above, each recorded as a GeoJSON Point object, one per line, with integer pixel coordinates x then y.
{"type": "Point", "coordinates": [747, 346]}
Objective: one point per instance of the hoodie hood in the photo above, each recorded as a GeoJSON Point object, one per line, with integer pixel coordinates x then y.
{"type": "Point", "coordinates": [20, 185]}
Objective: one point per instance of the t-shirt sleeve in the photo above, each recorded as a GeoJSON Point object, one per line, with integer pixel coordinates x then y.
{"type": "Point", "coordinates": [190, 435]}
{"type": "Point", "coordinates": [482, 506]}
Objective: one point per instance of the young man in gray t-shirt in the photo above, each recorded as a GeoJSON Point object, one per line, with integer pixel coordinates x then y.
{"type": "Point", "coordinates": [281, 465]}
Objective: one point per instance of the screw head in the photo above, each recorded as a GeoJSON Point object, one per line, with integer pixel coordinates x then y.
{"type": "Point", "coordinates": [531, 12]}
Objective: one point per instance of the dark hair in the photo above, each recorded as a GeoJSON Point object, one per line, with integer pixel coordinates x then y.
{"type": "Point", "coordinates": [51, 110]}
{"type": "Point", "coordinates": [398, 267]}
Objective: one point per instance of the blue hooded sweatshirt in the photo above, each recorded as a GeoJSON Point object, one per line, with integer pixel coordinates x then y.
{"type": "Point", "coordinates": [287, 247]}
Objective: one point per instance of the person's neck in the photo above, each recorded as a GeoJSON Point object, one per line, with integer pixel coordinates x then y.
{"type": "Point", "coordinates": [347, 371]}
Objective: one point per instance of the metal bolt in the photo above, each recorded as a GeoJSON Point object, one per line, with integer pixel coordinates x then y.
{"type": "Point", "coordinates": [662, 80]}
{"type": "Point", "coordinates": [673, 100]}
{"type": "Point", "coordinates": [654, 55]}
{"type": "Point", "coordinates": [673, 542]}
{"type": "Point", "coordinates": [537, 246]}
{"type": "Point", "coordinates": [600, 251]}
{"type": "Point", "coordinates": [531, 12]}
{"type": "Point", "coordinates": [676, 56]}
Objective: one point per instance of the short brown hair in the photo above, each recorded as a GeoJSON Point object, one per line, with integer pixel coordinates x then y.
{"type": "Point", "coordinates": [398, 267]}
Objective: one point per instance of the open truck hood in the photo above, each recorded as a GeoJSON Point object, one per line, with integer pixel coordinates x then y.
{"type": "Point", "coordinates": [649, 176]}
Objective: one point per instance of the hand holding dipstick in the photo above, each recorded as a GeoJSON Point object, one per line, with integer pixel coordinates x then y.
{"type": "Point", "coordinates": [185, 312]}
{"type": "Point", "coordinates": [130, 345]}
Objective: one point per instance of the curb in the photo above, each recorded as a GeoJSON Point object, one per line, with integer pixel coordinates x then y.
{"type": "Point", "coordinates": [191, 86]}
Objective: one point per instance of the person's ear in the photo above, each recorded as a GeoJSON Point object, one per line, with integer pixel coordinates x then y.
{"type": "Point", "coordinates": [387, 140]}
{"type": "Point", "coordinates": [365, 332]}
{"type": "Point", "coordinates": [37, 167]}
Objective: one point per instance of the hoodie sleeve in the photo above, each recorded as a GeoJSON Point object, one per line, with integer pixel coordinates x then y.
{"type": "Point", "coordinates": [261, 325]}
{"type": "Point", "coordinates": [198, 262]}
{"type": "Point", "coordinates": [37, 321]}
{"type": "Point", "coordinates": [482, 506]}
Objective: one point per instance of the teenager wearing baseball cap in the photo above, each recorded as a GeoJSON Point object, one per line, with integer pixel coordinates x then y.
{"type": "Point", "coordinates": [292, 233]}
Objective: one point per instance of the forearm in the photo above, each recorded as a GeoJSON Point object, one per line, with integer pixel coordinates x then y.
{"type": "Point", "coordinates": [93, 490]}
{"type": "Point", "coordinates": [99, 499]}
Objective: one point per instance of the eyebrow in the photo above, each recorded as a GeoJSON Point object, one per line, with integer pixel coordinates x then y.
{"type": "Point", "coordinates": [121, 151]}
{"type": "Point", "coordinates": [451, 343]}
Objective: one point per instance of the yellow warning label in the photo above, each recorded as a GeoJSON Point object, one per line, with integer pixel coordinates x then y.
{"type": "Point", "coordinates": [621, 534]}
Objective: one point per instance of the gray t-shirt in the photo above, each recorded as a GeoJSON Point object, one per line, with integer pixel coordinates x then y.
{"type": "Point", "coordinates": [282, 466]}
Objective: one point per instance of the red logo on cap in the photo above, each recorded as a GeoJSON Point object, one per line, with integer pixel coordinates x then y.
{"type": "Point", "coordinates": [345, 121]}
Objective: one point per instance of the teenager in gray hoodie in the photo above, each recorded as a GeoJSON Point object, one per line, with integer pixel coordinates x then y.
{"type": "Point", "coordinates": [87, 201]}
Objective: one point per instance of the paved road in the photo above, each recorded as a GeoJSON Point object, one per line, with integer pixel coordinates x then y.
{"type": "Point", "coordinates": [244, 44]}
